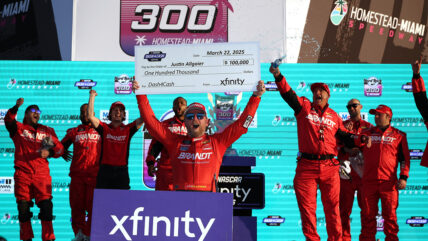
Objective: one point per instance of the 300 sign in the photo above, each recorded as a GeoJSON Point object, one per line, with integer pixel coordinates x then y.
{"type": "Point", "coordinates": [152, 16]}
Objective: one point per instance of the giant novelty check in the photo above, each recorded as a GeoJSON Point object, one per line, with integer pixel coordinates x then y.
{"type": "Point", "coordinates": [197, 68]}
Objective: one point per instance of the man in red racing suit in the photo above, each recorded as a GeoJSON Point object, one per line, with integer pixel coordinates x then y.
{"type": "Point", "coordinates": [83, 172]}
{"type": "Point", "coordinates": [420, 95]}
{"type": "Point", "coordinates": [352, 182]}
{"type": "Point", "coordinates": [34, 143]}
{"type": "Point", "coordinates": [164, 169]}
{"type": "Point", "coordinates": [318, 128]}
{"type": "Point", "coordinates": [196, 158]}
{"type": "Point", "coordinates": [388, 149]}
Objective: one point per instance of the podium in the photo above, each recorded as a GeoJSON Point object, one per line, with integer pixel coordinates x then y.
{"type": "Point", "coordinates": [248, 193]}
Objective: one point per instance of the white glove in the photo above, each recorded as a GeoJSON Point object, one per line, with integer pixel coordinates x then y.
{"type": "Point", "coordinates": [345, 170]}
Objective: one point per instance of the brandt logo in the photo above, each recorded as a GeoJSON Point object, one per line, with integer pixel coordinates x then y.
{"type": "Point", "coordinates": [236, 81]}
{"type": "Point", "coordinates": [155, 56]}
{"type": "Point", "coordinates": [154, 221]}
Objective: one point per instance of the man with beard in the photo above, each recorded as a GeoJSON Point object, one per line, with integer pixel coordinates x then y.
{"type": "Point", "coordinates": [83, 172]}
{"type": "Point", "coordinates": [164, 169]}
{"type": "Point", "coordinates": [34, 143]}
{"type": "Point", "coordinates": [420, 95]}
{"type": "Point", "coordinates": [116, 138]}
{"type": "Point", "coordinates": [352, 158]}
{"type": "Point", "coordinates": [318, 128]}
{"type": "Point", "coordinates": [196, 158]}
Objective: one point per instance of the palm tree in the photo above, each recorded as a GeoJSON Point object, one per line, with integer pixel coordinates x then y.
{"type": "Point", "coordinates": [341, 3]}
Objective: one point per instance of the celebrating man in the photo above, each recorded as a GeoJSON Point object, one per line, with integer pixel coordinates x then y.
{"type": "Point", "coordinates": [34, 143]}
{"type": "Point", "coordinates": [318, 126]}
{"type": "Point", "coordinates": [196, 158]}
{"type": "Point", "coordinates": [116, 137]}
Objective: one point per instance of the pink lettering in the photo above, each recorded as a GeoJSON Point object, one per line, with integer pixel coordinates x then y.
{"type": "Point", "coordinates": [361, 26]}
{"type": "Point", "coordinates": [381, 31]}
{"type": "Point", "coordinates": [351, 23]}
{"type": "Point", "coordinates": [371, 28]}
{"type": "Point", "coordinates": [411, 39]}
{"type": "Point", "coordinates": [391, 33]}
{"type": "Point", "coordinates": [400, 35]}
{"type": "Point", "coordinates": [420, 39]}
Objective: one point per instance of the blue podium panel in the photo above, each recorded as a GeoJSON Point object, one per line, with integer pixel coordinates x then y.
{"type": "Point", "coordinates": [145, 215]}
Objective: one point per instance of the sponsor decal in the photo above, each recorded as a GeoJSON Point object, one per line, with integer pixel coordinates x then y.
{"type": "Point", "coordinates": [345, 116]}
{"type": "Point", "coordinates": [281, 188]}
{"type": "Point", "coordinates": [247, 122]}
{"type": "Point", "coordinates": [150, 22]}
{"type": "Point", "coordinates": [283, 120]}
{"type": "Point", "coordinates": [123, 84]}
{"type": "Point", "coordinates": [379, 222]}
{"type": "Point", "coordinates": [417, 221]}
{"type": "Point", "coordinates": [303, 86]}
{"type": "Point", "coordinates": [33, 84]}
{"type": "Point", "coordinates": [314, 118]}
{"type": "Point", "coordinates": [273, 220]}
{"type": "Point", "coordinates": [407, 121]}
{"type": "Point", "coordinates": [372, 87]}
{"type": "Point", "coordinates": [85, 84]}
{"type": "Point", "coordinates": [227, 81]}
{"type": "Point", "coordinates": [407, 87]}
{"type": "Point", "coordinates": [271, 86]}
{"type": "Point", "coordinates": [247, 189]}
{"type": "Point", "coordinates": [6, 184]}
{"type": "Point", "coordinates": [2, 115]}
{"type": "Point", "coordinates": [416, 154]}
{"type": "Point", "coordinates": [14, 219]}
{"type": "Point", "coordinates": [155, 56]}
{"type": "Point", "coordinates": [260, 152]}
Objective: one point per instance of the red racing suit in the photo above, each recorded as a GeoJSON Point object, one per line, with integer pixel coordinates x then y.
{"type": "Point", "coordinates": [317, 130]}
{"type": "Point", "coordinates": [83, 172]}
{"type": "Point", "coordinates": [196, 161]}
{"type": "Point", "coordinates": [420, 95]}
{"type": "Point", "coordinates": [113, 172]}
{"type": "Point", "coordinates": [164, 172]}
{"type": "Point", "coordinates": [32, 174]}
{"type": "Point", "coordinates": [348, 187]}
{"type": "Point", "coordinates": [389, 148]}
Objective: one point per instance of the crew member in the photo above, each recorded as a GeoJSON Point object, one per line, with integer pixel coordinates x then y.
{"type": "Point", "coordinates": [116, 138]}
{"type": "Point", "coordinates": [83, 172]}
{"type": "Point", "coordinates": [34, 143]}
{"type": "Point", "coordinates": [164, 169]}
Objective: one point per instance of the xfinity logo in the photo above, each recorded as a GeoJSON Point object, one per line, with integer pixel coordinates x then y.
{"type": "Point", "coordinates": [155, 56]}
{"type": "Point", "coordinates": [228, 81]}
{"type": "Point", "coordinates": [150, 224]}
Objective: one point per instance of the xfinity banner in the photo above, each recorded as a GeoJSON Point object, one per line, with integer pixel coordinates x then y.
{"type": "Point", "coordinates": [148, 215]}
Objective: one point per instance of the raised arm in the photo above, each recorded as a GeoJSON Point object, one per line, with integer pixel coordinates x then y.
{"type": "Point", "coordinates": [10, 118]}
{"type": "Point", "coordinates": [286, 92]}
{"type": "Point", "coordinates": [419, 92]}
{"type": "Point", "coordinates": [91, 115]}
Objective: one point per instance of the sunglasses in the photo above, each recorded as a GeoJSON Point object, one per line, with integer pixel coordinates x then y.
{"type": "Point", "coordinates": [352, 105]}
{"type": "Point", "coordinates": [191, 116]}
{"type": "Point", "coordinates": [35, 111]}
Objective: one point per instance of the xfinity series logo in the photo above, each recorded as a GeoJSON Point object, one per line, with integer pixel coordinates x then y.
{"type": "Point", "coordinates": [152, 223]}
{"type": "Point", "coordinates": [417, 221]}
{"type": "Point", "coordinates": [155, 56]}
{"type": "Point", "coordinates": [152, 22]}
{"type": "Point", "coordinates": [237, 81]}
{"type": "Point", "coordinates": [6, 184]}
{"type": "Point", "coordinates": [372, 87]}
{"type": "Point", "coordinates": [273, 220]}
{"type": "Point", "coordinates": [123, 84]}
{"type": "Point", "coordinates": [85, 84]}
